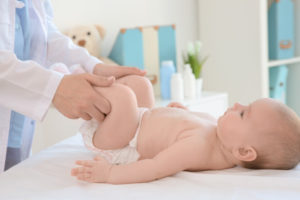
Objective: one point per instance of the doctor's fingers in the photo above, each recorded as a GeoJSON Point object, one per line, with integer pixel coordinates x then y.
{"type": "Point", "coordinates": [102, 103]}
{"type": "Point", "coordinates": [95, 113]}
{"type": "Point", "coordinates": [85, 116]}
{"type": "Point", "coordinates": [100, 81]}
{"type": "Point", "coordinates": [124, 71]}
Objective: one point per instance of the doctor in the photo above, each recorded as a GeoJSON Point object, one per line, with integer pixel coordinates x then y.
{"type": "Point", "coordinates": [29, 44]}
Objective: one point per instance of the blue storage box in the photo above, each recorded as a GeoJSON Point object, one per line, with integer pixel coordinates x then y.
{"type": "Point", "coordinates": [281, 29]}
{"type": "Point", "coordinates": [167, 44]}
{"type": "Point", "coordinates": [128, 48]}
{"type": "Point", "coordinates": [277, 82]}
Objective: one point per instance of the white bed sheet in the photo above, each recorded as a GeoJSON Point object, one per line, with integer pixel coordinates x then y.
{"type": "Point", "coordinates": [47, 176]}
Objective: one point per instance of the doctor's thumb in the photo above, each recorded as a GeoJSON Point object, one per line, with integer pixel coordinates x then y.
{"type": "Point", "coordinates": [100, 81]}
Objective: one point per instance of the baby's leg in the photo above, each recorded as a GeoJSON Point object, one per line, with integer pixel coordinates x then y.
{"type": "Point", "coordinates": [120, 124]}
{"type": "Point", "coordinates": [142, 88]}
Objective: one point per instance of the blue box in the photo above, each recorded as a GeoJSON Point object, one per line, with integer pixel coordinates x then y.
{"type": "Point", "coordinates": [281, 30]}
{"type": "Point", "coordinates": [128, 48]}
{"type": "Point", "coordinates": [277, 82]}
{"type": "Point", "coordinates": [167, 44]}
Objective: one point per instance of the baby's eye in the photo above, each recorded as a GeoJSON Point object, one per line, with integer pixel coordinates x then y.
{"type": "Point", "coordinates": [88, 33]}
{"type": "Point", "coordinates": [242, 114]}
{"type": "Point", "coordinates": [74, 37]}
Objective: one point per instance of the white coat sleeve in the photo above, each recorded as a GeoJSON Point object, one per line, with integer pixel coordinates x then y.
{"type": "Point", "coordinates": [62, 49]}
{"type": "Point", "coordinates": [25, 86]}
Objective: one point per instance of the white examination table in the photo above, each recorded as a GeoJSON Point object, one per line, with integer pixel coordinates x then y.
{"type": "Point", "coordinates": [47, 176]}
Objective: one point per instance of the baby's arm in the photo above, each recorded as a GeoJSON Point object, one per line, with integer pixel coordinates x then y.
{"type": "Point", "coordinates": [182, 155]}
{"type": "Point", "coordinates": [177, 105]}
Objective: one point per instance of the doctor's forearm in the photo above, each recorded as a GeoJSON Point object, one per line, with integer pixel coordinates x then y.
{"type": "Point", "coordinates": [22, 92]}
{"type": "Point", "coordinates": [62, 49]}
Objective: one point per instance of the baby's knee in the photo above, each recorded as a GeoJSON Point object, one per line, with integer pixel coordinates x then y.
{"type": "Point", "coordinates": [122, 93]}
{"type": "Point", "coordinates": [140, 79]}
{"type": "Point", "coordinates": [116, 91]}
{"type": "Point", "coordinates": [137, 82]}
{"type": "Point", "coordinates": [143, 82]}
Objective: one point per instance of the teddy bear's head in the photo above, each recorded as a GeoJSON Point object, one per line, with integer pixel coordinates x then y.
{"type": "Point", "coordinates": [89, 37]}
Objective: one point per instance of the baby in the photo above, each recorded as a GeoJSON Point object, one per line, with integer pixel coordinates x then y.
{"type": "Point", "coordinates": [139, 143]}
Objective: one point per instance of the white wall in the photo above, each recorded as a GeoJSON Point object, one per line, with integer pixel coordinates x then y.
{"type": "Point", "coordinates": [116, 14]}
{"type": "Point", "coordinates": [113, 15]}
{"type": "Point", "coordinates": [231, 34]}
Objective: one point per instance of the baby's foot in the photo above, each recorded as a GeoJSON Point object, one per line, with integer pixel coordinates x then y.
{"type": "Point", "coordinates": [96, 170]}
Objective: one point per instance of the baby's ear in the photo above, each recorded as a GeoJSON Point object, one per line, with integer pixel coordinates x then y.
{"type": "Point", "coordinates": [246, 153]}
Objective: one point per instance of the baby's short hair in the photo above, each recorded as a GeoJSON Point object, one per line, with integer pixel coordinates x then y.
{"type": "Point", "coordinates": [283, 146]}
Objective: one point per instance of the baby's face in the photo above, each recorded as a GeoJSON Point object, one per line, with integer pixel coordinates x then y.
{"type": "Point", "coordinates": [246, 124]}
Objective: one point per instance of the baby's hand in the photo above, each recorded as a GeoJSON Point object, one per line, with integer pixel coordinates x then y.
{"type": "Point", "coordinates": [96, 170]}
{"type": "Point", "coordinates": [177, 105]}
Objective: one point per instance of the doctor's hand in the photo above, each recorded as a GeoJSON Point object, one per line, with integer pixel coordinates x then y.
{"type": "Point", "coordinates": [75, 96]}
{"type": "Point", "coordinates": [116, 71]}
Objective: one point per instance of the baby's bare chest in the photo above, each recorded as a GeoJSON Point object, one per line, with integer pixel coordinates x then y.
{"type": "Point", "coordinates": [163, 127]}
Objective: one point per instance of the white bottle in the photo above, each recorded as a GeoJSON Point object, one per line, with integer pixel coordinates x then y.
{"type": "Point", "coordinates": [189, 82]}
{"type": "Point", "coordinates": [177, 87]}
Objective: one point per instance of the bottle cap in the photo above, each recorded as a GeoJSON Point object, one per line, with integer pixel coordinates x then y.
{"type": "Point", "coordinates": [188, 68]}
{"type": "Point", "coordinates": [176, 76]}
{"type": "Point", "coordinates": [167, 63]}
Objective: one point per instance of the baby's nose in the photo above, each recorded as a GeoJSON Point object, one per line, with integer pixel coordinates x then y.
{"type": "Point", "coordinates": [237, 106]}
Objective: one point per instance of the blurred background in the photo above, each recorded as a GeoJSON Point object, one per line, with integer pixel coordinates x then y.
{"type": "Point", "coordinates": [252, 46]}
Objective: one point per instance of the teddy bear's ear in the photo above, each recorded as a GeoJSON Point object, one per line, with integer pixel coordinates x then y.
{"type": "Point", "coordinates": [101, 30]}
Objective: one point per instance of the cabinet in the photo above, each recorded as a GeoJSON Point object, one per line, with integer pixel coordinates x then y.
{"type": "Point", "coordinates": [234, 34]}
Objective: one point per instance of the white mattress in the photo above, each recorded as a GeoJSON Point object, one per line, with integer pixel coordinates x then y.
{"type": "Point", "coordinates": [47, 176]}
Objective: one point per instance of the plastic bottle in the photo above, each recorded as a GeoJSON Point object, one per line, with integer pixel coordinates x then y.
{"type": "Point", "coordinates": [166, 70]}
{"type": "Point", "coordinates": [189, 82]}
{"type": "Point", "coordinates": [177, 87]}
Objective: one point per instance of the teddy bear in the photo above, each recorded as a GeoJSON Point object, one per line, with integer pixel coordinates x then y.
{"type": "Point", "coordinates": [90, 38]}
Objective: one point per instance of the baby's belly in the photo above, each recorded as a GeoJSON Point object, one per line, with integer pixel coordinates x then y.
{"type": "Point", "coordinates": [160, 128]}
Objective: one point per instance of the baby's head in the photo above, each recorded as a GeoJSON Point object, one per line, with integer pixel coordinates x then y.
{"type": "Point", "coordinates": [264, 134]}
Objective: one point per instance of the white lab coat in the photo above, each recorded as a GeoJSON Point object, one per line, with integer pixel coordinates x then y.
{"type": "Point", "coordinates": [28, 87]}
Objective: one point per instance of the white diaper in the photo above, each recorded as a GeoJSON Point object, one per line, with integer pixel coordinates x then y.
{"type": "Point", "coordinates": [125, 155]}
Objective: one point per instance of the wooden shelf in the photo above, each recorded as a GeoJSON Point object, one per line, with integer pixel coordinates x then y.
{"type": "Point", "coordinates": [274, 63]}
